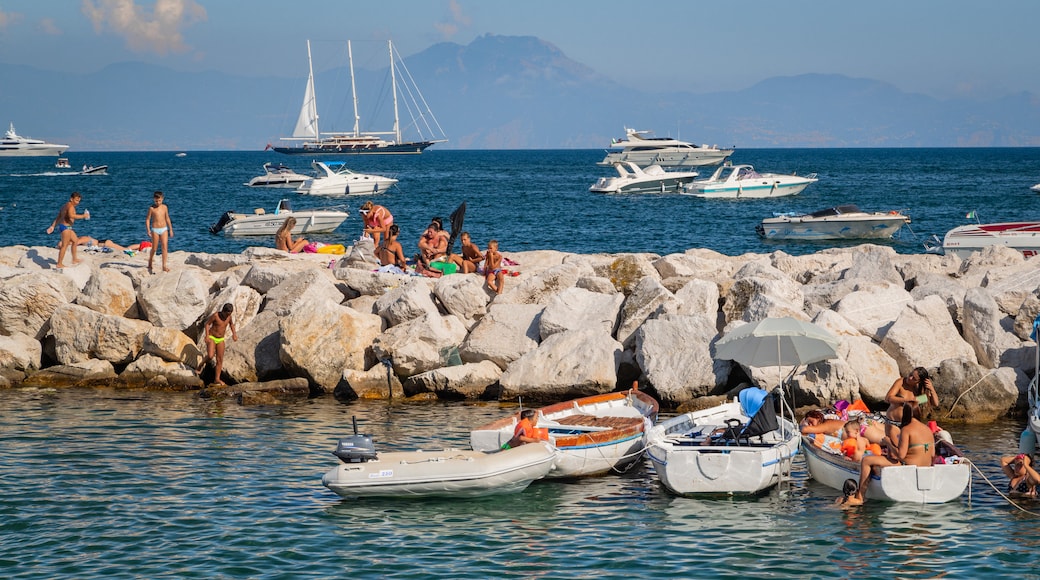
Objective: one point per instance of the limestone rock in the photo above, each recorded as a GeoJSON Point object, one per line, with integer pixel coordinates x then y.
{"type": "Point", "coordinates": [20, 352]}
{"type": "Point", "coordinates": [873, 308]}
{"type": "Point", "coordinates": [647, 296]}
{"type": "Point", "coordinates": [175, 299]}
{"type": "Point", "coordinates": [984, 329]}
{"type": "Point", "coordinates": [216, 262]}
{"type": "Point", "coordinates": [172, 346]}
{"type": "Point", "coordinates": [463, 296]}
{"type": "Point", "coordinates": [246, 302]}
{"type": "Point", "coordinates": [974, 394]}
{"type": "Point", "coordinates": [369, 283]}
{"type": "Point", "coordinates": [304, 287]}
{"type": "Point", "coordinates": [60, 376]}
{"type": "Point", "coordinates": [675, 356]}
{"type": "Point", "coordinates": [81, 334]}
{"type": "Point", "coordinates": [503, 335]}
{"type": "Point", "coordinates": [541, 287]}
{"type": "Point", "coordinates": [320, 339]}
{"type": "Point", "coordinates": [873, 263]}
{"type": "Point", "coordinates": [924, 334]}
{"type": "Point", "coordinates": [147, 368]}
{"type": "Point", "coordinates": [943, 286]}
{"type": "Point", "coordinates": [109, 291]}
{"type": "Point", "coordinates": [869, 372]}
{"type": "Point", "coordinates": [420, 345]}
{"type": "Point", "coordinates": [27, 302]}
{"type": "Point", "coordinates": [597, 284]}
{"type": "Point", "coordinates": [698, 298]}
{"type": "Point", "coordinates": [467, 381]}
{"type": "Point", "coordinates": [766, 293]}
{"type": "Point", "coordinates": [576, 309]}
{"type": "Point", "coordinates": [375, 383]}
{"type": "Point", "coordinates": [255, 355]}
{"type": "Point", "coordinates": [259, 393]}
{"type": "Point", "coordinates": [407, 302]}
{"type": "Point", "coordinates": [567, 365]}
{"type": "Point", "coordinates": [263, 276]}
{"type": "Point", "coordinates": [626, 271]}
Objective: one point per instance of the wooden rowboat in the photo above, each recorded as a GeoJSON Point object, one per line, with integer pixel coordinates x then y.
{"type": "Point", "coordinates": [593, 435]}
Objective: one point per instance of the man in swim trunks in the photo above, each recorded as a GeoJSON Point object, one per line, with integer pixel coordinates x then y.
{"type": "Point", "coordinates": [63, 223]}
{"type": "Point", "coordinates": [159, 227]}
{"type": "Point", "coordinates": [494, 276]}
{"type": "Point", "coordinates": [215, 330]}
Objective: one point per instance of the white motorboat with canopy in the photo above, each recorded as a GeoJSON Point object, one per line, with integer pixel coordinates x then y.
{"type": "Point", "coordinates": [278, 175]}
{"type": "Point", "coordinates": [261, 223]}
{"type": "Point", "coordinates": [633, 179]}
{"type": "Point", "coordinates": [335, 178]}
{"type": "Point", "coordinates": [743, 182]}
{"type": "Point", "coordinates": [841, 222]}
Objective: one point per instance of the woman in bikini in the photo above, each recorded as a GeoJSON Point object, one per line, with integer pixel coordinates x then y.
{"type": "Point", "coordinates": [389, 251]}
{"type": "Point", "coordinates": [914, 446]}
{"type": "Point", "coordinates": [283, 237]}
{"type": "Point", "coordinates": [1022, 478]}
{"type": "Point", "coordinates": [377, 220]}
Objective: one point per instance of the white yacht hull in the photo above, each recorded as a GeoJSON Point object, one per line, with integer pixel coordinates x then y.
{"type": "Point", "coordinates": [842, 227]}
{"type": "Point", "coordinates": [633, 179]}
{"type": "Point", "coordinates": [1021, 236]}
{"type": "Point", "coordinates": [447, 473]}
{"type": "Point", "coordinates": [669, 158]}
{"type": "Point", "coordinates": [751, 190]}
{"type": "Point", "coordinates": [689, 467]}
{"type": "Point", "coordinates": [340, 188]}
{"type": "Point", "coordinates": [33, 151]}
{"type": "Point", "coordinates": [307, 222]}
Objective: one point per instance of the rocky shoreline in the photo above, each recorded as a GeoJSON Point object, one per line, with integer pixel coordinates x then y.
{"type": "Point", "coordinates": [568, 325]}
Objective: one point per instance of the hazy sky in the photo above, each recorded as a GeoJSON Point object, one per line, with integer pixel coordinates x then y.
{"type": "Point", "coordinates": [943, 48]}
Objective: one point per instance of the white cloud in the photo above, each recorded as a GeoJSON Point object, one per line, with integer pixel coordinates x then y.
{"type": "Point", "coordinates": [48, 26]}
{"type": "Point", "coordinates": [158, 31]}
{"type": "Point", "coordinates": [458, 20]}
{"type": "Point", "coordinates": [8, 18]}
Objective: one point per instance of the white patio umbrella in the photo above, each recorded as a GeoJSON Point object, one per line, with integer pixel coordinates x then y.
{"type": "Point", "coordinates": [777, 342]}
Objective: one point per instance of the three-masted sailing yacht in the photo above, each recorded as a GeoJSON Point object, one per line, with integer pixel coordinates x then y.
{"type": "Point", "coordinates": [313, 142]}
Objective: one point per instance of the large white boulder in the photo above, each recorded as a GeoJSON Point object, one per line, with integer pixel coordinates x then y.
{"type": "Point", "coordinates": [874, 307]}
{"type": "Point", "coordinates": [576, 308]}
{"type": "Point", "coordinates": [539, 288]}
{"type": "Point", "coordinates": [245, 300]}
{"type": "Point", "coordinates": [27, 302]}
{"type": "Point", "coordinates": [411, 300]}
{"type": "Point", "coordinates": [568, 364]}
{"type": "Point", "coordinates": [675, 355]}
{"type": "Point", "coordinates": [175, 299]}
{"type": "Point", "coordinates": [466, 381]}
{"type": "Point", "coordinates": [171, 345]}
{"type": "Point", "coordinates": [109, 291]}
{"type": "Point", "coordinates": [294, 292]}
{"type": "Point", "coordinates": [81, 334]}
{"type": "Point", "coordinates": [321, 338]}
{"type": "Point", "coordinates": [255, 355]}
{"type": "Point", "coordinates": [463, 296]}
{"type": "Point", "coordinates": [503, 335]}
{"type": "Point", "coordinates": [20, 352]}
{"type": "Point", "coordinates": [924, 335]}
{"type": "Point", "coordinates": [421, 344]}
{"type": "Point", "coordinates": [869, 371]}
{"type": "Point", "coordinates": [984, 328]}
{"type": "Point", "coordinates": [646, 298]}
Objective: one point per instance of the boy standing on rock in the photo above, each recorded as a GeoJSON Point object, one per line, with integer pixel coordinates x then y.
{"type": "Point", "coordinates": [63, 223]}
{"type": "Point", "coordinates": [159, 228]}
{"type": "Point", "coordinates": [215, 329]}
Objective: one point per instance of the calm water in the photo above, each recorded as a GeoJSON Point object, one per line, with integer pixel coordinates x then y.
{"type": "Point", "coordinates": [527, 199]}
{"type": "Point", "coordinates": [110, 484]}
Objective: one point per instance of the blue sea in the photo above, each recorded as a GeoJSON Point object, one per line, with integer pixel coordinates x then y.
{"type": "Point", "coordinates": [100, 483]}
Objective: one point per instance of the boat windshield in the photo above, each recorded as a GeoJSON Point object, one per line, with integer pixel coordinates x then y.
{"type": "Point", "coordinates": [283, 206]}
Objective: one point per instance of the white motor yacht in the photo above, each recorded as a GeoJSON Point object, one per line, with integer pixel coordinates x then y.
{"type": "Point", "coordinates": [633, 179]}
{"type": "Point", "coordinates": [261, 223]}
{"type": "Point", "coordinates": [643, 150]}
{"type": "Point", "coordinates": [963, 240]}
{"type": "Point", "coordinates": [843, 222]}
{"type": "Point", "coordinates": [334, 178]}
{"type": "Point", "coordinates": [278, 175]}
{"type": "Point", "coordinates": [742, 181]}
{"type": "Point", "coordinates": [14, 145]}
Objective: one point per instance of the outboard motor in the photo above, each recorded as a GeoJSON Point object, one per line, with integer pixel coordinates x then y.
{"type": "Point", "coordinates": [356, 448]}
{"type": "Point", "coordinates": [223, 221]}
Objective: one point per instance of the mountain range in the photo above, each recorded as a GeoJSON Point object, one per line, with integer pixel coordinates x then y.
{"type": "Point", "coordinates": [498, 92]}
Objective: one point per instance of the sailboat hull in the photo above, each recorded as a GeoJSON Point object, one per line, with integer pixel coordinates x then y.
{"type": "Point", "coordinates": [412, 148]}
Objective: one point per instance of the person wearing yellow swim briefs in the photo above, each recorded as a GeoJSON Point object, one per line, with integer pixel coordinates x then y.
{"type": "Point", "coordinates": [215, 331]}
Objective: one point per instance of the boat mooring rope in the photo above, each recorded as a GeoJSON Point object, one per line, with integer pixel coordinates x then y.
{"type": "Point", "coordinates": [996, 489]}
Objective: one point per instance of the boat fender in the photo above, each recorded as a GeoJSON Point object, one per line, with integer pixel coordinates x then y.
{"type": "Point", "coordinates": [1027, 442]}
{"type": "Point", "coordinates": [893, 212]}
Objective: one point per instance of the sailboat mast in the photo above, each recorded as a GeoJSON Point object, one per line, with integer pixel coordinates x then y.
{"type": "Point", "coordinates": [353, 90]}
{"type": "Point", "coordinates": [313, 96]}
{"type": "Point", "coordinates": [393, 88]}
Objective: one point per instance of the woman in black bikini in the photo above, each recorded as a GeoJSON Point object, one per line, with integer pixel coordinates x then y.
{"type": "Point", "coordinates": [1022, 478]}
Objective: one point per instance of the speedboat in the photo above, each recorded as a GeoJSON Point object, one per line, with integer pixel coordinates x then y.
{"type": "Point", "coordinates": [836, 223]}
{"type": "Point", "coordinates": [592, 435]}
{"type": "Point", "coordinates": [742, 181]}
{"type": "Point", "coordinates": [1036, 188]}
{"type": "Point", "coordinates": [738, 447]}
{"type": "Point", "coordinates": [62, 163]}
{"type": "Point", "coordinates": [963, 240]}
{"type": "Point", "coordinates": [445, 473]}
{"type": "Point", "coordinates": [261, 223]}
{"type": "Point", "coordinates": [938, 483]}
{"type": "Point", "coordinates": [643, 150]}
{"type": "Point", "coordinates": [94, 170]}
{"type": "Point", "coordinates": [632, 179]}
{"type": "Point", "coordinates": [334, 178]}
{"type": "Point", "coordinates": [14, 145]}
{"type": "Point", "coordinates": [278, 175]}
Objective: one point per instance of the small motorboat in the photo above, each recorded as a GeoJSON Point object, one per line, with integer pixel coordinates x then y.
{"type": "Point", "coordinates": [278, 175]}
{"type": "Point", "coordinates": [446, 473]}
{"type": "Point", "coordinates": [843, 222]}
{"type": "Point", "coordinates": [963, 240]}
{"type": "Point", "coordinates": [593, 435]}
{"type": "Point", "coordinates": [743, 182]}
{"type": "Point", "coordinates": [261, 223]}
{"type": "Point", "coordinates": [938, 483]}
{"type": "Point", "coordinates": [334, 178]}
{"type": "Point", "coordinates": [643, 150]}
{"type": "Point", "coordinates": [62, 163]}
{"type": "Point", "coordinates": [94, 170]}
{"type": "Point", "coordinates": [1036, 188]}
{"type": "Point", "coordinates": [738, 447]}
{"type": "Point", "coordinates": [181, 154]}
{"type": "Point", "coordinates": [633, 179]}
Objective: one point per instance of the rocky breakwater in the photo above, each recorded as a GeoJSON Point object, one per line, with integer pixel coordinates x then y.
{"type": "Point", "coordinates": [569, 325]}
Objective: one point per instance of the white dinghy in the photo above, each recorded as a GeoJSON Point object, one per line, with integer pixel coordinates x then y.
{"type": "Point", "coordinates": [443, 473]}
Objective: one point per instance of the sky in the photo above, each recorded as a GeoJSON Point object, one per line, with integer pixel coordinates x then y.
{"type": "Point", "coordinates": [942, 48]}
